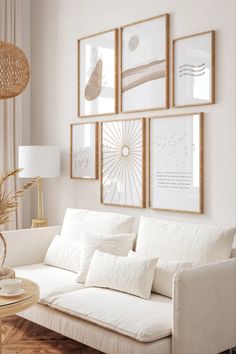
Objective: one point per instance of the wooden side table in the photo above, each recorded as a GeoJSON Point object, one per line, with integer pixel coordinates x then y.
{"type": "Point", "coordinates": [12, 305]}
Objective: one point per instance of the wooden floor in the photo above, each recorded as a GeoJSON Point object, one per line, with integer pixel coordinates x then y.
{"type": "Point", "coordinates": [22, 336]}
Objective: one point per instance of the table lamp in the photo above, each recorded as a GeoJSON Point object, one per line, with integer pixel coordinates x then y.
{"type": "Point", "coordinates": [41, 162]}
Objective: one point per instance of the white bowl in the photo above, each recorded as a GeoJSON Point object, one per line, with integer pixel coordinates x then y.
{"type": "Point", "coordinates": [10, 286]}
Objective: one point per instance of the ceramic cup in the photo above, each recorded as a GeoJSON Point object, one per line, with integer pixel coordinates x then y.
{"type": "Point", "coordinates": [10, 286]}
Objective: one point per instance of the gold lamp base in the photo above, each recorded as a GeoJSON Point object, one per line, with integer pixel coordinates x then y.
{"type": "Point", "coordinates": [39, 223]}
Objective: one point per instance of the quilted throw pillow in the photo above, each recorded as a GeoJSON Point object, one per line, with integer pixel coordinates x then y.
{"type": "Point", "coordinates": [63, 253]}
{"type": "Point", "coordinates": [115, 244]}
{"type": "Point", "coordinates": [164, 274]}
{"type": "Point", "coordinates": [132, 275]}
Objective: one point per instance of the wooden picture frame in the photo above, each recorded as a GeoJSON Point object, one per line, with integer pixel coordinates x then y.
{"type": "Point", "coordinates": [123, 169]}
{"type": "Point", "coordinates": [98, 74]}
{"type": "Point", "coordinates": [176, 163]}
{"type": "Point", "coordinates": [149, 73]}
{"type": "Point", "coordinates": [84, 157]}
{"type": "Point", "coordinates": [193, 70]}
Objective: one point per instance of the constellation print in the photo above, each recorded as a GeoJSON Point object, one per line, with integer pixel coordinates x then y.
{"type": "Point", "coordinates": [175, 163]}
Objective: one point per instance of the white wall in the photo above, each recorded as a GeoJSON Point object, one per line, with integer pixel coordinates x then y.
{"type": "Point", "coordinates": [56, 26]}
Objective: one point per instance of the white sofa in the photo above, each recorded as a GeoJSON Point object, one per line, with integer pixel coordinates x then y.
{"type": "Point", "coordinates": [200, 319]}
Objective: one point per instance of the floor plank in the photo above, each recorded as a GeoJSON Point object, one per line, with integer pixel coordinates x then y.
{"type": "Point", "coordinates": [22, 336]}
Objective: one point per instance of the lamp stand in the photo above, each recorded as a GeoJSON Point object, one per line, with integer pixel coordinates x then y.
{"type": "Point", "coordinates": [40, 221]}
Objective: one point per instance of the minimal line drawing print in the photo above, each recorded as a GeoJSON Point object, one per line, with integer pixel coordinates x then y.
{"type": "Point", "coordinates": [84, 151]}
{"type": "Point", "coordinates": [123, 163]}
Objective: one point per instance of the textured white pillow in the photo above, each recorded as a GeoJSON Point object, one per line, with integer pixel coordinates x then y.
{"type": "Point", "coordinates": [79, 221]}
{"type": "Point", "coordinates": [63, 253]}
{"type": "Point", "coordinates": [164, 274]}
{"type": "Point", "coordinates": [169, 240]}
{"type": "Point", "coordinates": [132, 275]}
{"type": "Point", "coordinates": [115, 244]}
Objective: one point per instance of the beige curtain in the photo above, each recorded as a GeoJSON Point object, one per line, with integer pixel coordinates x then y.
{"type": "Point", "coordinates": [10, 109]}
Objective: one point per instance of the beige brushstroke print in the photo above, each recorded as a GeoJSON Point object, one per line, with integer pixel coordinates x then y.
{"type": "Point", "coordinates": [147, 72]}
{"type": "Point", "coordinates": [144, 65]}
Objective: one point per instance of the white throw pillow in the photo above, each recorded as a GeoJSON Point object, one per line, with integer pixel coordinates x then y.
{"type": "Point", "coordinates": [63, 253]}
{"type": "Point", "coordinates": [164, 274]}
{"type": "Point", "coordinates": [118, 245]}
{"type": "Point", "coordinates": [79, 221]}
{"type": "Point", "coordinates": [132, 275]}
{"type": "Point", "coordinates": [183, 242]}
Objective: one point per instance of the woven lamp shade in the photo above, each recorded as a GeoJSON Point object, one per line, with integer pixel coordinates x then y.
{"type": "Point", "coordinates": [14, 70]}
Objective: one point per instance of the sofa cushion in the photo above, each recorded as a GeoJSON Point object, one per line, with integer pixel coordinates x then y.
{"type": "Point", "coordinates": [80, 221]}
{"type": "Point", "coordinates": [63, 252]}
{"type": "Point", "coordinates": [132, 275]}
{"type": "Point", "coordinates": [115, 244]}
{"type": "Point", "coordinates": [142, 320]}
{"type": "Point", "coordinates": [51, 280]}
{"type": "Point", "coordinates": [168, 240]}
{"type": "Point", "coordinates": [164, 274]}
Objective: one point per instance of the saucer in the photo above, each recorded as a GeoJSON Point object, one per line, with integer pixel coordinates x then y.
{"type": "Point", "coordinates": [17, 293]}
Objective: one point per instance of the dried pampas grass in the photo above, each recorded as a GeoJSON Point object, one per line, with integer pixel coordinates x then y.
{"type": "Point", "coordinates": [9, 201]}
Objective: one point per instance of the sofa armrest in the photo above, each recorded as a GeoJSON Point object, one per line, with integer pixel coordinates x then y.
{"type": "Point", "coordinates": [28, 246]}
{"type": "Point", "coordinates": [233, 253]}
{"type": "Point", "coordinates": [205, 309]}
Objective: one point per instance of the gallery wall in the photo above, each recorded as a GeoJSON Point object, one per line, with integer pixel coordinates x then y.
{"type": "Point", "coordinates": [56, 26]}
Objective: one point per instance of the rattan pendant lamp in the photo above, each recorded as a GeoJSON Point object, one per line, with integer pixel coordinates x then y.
{"type": "Point", "coordinates": [14, 70]}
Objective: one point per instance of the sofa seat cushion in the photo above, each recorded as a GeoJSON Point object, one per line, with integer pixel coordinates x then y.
{"type": "Point", "coordinates": [142, 320]}
{"type": "Point", "coordinates": [51, 280]}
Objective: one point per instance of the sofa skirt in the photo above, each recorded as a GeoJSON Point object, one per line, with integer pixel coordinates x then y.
{"type": "Point", "coordinates": [93, 335]}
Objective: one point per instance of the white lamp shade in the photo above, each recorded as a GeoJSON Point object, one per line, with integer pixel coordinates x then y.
{"type": "Point", "coordinates": [39, 161]}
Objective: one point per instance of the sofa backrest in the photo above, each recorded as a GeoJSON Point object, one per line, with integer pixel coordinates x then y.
{"type": "Point", "coordinates": [79, 221]}
{"type": "Point", "coordinates": [177, 241]}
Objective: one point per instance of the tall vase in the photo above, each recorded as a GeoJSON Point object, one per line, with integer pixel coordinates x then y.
{"type": "Point", "coordinates": [5, 272]}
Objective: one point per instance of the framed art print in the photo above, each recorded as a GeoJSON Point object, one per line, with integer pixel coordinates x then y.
{"type": "Point", "coordinates": [145, 65]}
{"type": "Point", "coordinates": [123, 163]}
{"type": "Point", "coordinates": [97, 66]}
{"type": "Point", "coordinates": [84, 151]}
{"type": "Point", "coordinates": [194, 70]}
{"type": "Point", "coordinates": [176, 163]}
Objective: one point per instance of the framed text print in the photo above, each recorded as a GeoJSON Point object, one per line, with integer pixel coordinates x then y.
{"type": "Point", "coordinates": [122, 163]}
{"type": "Point", "coordinates": [176, 163]}
{"type": "Point", "coordinates": [194, 70]}
{"type": "Point", "coordinates": [145, 65]}
{"type": "Point", "coordinates": [97, 59]}
{"type": "Point", "coordinates": [84, 151]}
